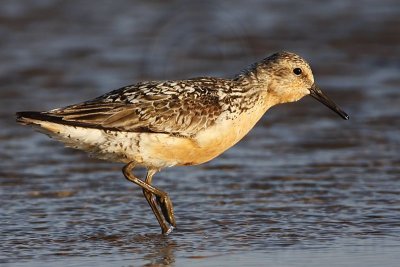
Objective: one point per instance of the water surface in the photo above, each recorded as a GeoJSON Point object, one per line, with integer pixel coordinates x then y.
{"type": "Point", "coordinates": [304, 188]}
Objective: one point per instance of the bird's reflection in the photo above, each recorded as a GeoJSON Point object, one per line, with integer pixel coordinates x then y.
{"type": "Point", "coordinates": [163, 253]}
{"type": "Point", "coordinates": [152, 249]}
{"type": "Point", "coordinates": [145, 249]}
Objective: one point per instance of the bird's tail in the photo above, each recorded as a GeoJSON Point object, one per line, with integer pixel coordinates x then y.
{"type": "Point", "coordinates": [72, 136]}
{"type": "Point", "coordinates": [30, 117]}
{"type": "Point", "coordinates": [41, 121]}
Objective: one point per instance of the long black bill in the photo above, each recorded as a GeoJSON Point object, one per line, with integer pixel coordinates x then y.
{"type": "Point", "coordinates": [324, 99]}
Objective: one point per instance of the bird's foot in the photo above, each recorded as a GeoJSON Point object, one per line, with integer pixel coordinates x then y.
{"type": "Point", "coordinates": [167, 209]}
{"type": "Point", "coordinates": [170, 229]}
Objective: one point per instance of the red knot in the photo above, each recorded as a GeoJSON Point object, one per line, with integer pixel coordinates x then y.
{"type": "Point", "coordinates": [173, 123]}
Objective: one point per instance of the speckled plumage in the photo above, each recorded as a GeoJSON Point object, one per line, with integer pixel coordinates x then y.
{"type": "Point", "coordinates": [173, 107]}
{"type": "Point", "coordinates": [169, 123]}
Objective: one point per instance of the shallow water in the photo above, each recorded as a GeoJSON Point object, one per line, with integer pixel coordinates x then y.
{"type": "Point", "coordinates": [304, 188]}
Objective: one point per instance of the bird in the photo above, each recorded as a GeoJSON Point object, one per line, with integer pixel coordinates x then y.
{"type": "Point", "coordinates": [160, 124]}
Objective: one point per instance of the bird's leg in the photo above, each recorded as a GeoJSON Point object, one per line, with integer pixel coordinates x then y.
{"type": "Point", "coordinates": [164, 201]}
{"type": "Point", "coordinates": [153, 205]}
{"type": "Point", "coordinates": [149, 191]}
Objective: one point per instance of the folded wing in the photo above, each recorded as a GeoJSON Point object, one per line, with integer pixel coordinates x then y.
{"type": "Point", "coordinates": [181, 108]}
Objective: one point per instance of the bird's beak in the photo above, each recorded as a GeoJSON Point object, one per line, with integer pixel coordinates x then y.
{"type": "Point", "coordinates": [323, 98]}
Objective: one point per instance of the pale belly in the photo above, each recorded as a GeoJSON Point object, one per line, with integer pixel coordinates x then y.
{"type": "Point", "coordinates": [203, 147]}
{"type": "Point", "coordinates": [152, 149]}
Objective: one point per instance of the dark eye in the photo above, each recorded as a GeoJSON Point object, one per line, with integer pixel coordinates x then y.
{"type": "Point", "coordinates": [297, 71]}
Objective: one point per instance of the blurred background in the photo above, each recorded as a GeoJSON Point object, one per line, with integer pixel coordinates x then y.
{"type": "Point", "coordinates": [303, 188]}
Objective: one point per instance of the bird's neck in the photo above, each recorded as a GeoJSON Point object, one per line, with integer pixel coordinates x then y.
{"type": "Point", "coordinates": [251, 92]}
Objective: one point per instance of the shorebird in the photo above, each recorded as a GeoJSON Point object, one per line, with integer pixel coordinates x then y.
{"type": "Point", "coordinates": [159, 124]}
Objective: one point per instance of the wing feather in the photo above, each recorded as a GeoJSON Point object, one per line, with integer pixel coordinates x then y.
{"type": "Point", "coordinates": [183, 108]}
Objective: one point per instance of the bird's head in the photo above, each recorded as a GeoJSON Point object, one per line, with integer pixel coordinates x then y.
{"type": "Point", "coordinates": [287, 77]}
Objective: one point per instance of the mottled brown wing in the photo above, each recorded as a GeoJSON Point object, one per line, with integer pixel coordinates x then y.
{"type": "Point", "coordinates": [154, 107]}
